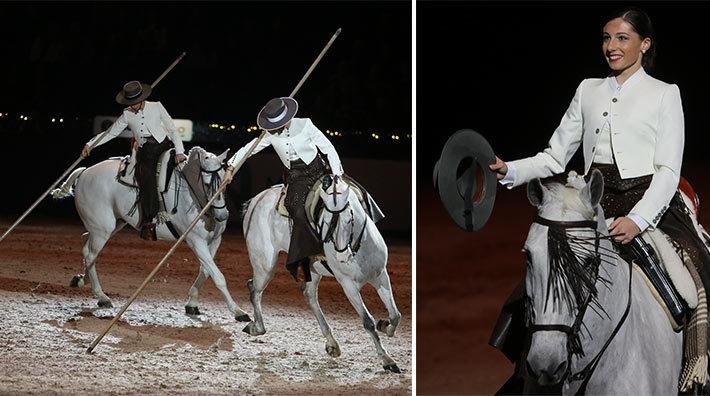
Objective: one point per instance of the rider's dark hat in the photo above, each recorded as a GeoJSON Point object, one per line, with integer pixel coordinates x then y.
{"type": "Point", "coordinates": [463, 180]}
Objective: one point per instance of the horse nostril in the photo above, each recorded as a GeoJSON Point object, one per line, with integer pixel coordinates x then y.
{"type": "Point", "coordinates": [560, 371]}
{"type": "Point", "coordinates": [530, 370]}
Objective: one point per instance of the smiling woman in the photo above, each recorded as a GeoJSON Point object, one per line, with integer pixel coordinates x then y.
{"type": "Point", "coordinates": [629, 121]}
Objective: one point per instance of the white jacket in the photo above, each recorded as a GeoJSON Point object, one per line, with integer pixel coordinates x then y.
{"type": "Point", "coordinates": [647, 137]}
{"type": "Point", "coordinates": [152, 120]}
{"type": "Point", "coordinates": [301, 140]}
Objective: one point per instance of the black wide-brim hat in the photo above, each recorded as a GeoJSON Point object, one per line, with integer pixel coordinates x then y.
{"type": "Point", "coordinates": [277, 113]}
{"type": "Point", "coordinates": [464, 182]}
{"type": "Point", "coordinates": [133, 92]}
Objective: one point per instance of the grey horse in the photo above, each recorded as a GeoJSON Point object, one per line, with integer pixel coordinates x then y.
{"type": "Point", "coordinates": [595, 327]}
{"type": "Point", "coordinates": [105, 207]}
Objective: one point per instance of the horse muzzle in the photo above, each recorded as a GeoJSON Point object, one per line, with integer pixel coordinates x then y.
{"type": "Point", "coordinates": [547, 360]}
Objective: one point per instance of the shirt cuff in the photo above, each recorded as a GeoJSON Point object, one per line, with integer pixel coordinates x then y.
{"type": "Point", "coordinates": [640, 222]}
{"type": "Point", "coordinates": [509, 178]}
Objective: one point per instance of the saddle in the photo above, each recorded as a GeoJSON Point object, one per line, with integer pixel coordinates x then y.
{"type": "Point", "coordinates": [671, 285]}
{"type": "Point", "coordinates": [314, 203]}
{"type": "Point", "coordinates": [165, 168]}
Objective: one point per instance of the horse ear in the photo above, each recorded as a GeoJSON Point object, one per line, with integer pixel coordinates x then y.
{"type": "Point", "coordinates": [223, 156]}
{"type": "Point", "coordinates": [595, 187]}
{"type": "Point", "coordinates": [535, 190]}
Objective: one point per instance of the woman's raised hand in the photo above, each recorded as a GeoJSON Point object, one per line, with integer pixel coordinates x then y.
{"type": "Point", "coordinates": [500, 168]}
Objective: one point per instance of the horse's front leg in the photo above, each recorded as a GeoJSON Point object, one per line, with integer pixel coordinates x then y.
{"type": "Point", "coordinates": [352, 291]}
{"type": "Point", "coordinates": [310, 291]}
{"type": "Point", "coordinates": [191, 307]}
{"type": "Point", "coordinates": [192, 296]}
{"type": "Point", "coordinates": [199, 246]}
{"type": "Point", "coordinates": [384, 289]}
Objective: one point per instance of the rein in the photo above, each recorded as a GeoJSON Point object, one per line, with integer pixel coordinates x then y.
{"type": "Point", "coordinates": [333, 225]}
{"type": "Point", "coordinates": [573, 341]}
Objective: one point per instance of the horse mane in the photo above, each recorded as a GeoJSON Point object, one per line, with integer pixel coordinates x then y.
{"type": "Point", "coordinates": [574, 264]}
{"type": "Point", "coordinates": [244, 208]}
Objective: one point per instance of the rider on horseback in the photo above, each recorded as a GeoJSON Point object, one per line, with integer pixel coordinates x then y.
{"type": "Point", "coordinates": [151, 124]}
{"type": "Point", "coordinates": [307, 155]}
{"type": "Point", "coordinates": [630, 127]}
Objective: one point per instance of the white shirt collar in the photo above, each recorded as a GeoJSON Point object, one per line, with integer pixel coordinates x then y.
{"type": "Point", "coordinates": [617, 87]}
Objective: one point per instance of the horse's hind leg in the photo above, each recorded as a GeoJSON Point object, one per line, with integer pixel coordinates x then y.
{"type": "Point", "coordinates": [352, 291]}
{"type": "Point", "coordinates": [93, 245]}
{"type": "Point", "coordinates": [310, 290]}
{"type": "Point", "coordinates": [207, 263]}
{"type": "Point", "coordinates": [263, 265]}
{"type": "Point", "coordinates": [384, 290]}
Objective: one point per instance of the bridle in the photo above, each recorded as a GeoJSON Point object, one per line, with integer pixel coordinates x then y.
{"type": "Point", "coordinates": [573, 340]}
{"type": "Point", "coordinates": [215, 180]}
{"type": "Point", "coordinates": [334, 222]}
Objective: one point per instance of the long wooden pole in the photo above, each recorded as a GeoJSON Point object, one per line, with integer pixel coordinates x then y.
{"type": "Point", "coordinates": [222, 186]}
{"type": "Point", "coordinates": [78, 160]}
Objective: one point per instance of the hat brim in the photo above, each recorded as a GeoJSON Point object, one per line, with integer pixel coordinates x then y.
{"type": "Point", "coordinates": [464, 182]}
{"type": "Point", "coordinates": [121, 98]}
{"type": "Point", "coordinates": [291, 109]}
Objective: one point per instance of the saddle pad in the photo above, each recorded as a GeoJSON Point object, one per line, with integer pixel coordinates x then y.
{"type": "Point", "coordinates": [673, 264]}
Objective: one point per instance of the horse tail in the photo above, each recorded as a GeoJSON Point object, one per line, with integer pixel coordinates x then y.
{"type": "Point", "coordinates": [67, 188]}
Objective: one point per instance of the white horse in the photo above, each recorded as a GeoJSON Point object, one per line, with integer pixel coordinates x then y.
{"type": "Point", "coordinates": [106, 206]}
{"type": "Point", "coordinates": [594, 324]}
{"type": "Point", "coordinates": [355, 251]}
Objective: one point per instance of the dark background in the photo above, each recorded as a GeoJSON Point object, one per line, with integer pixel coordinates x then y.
{"type": "Point", "coordinates": [509, 71]}
{"type": "Point", "coordinates": [70, 59]}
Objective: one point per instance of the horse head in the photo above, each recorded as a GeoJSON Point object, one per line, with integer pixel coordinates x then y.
{"type": "Point", "coordinates": [562, 249]}
{"type": "Point", "coordinates": [337, 222]}
{"type": "Point", "coordinates": [335, 193]}
{"type": "Point", "coordinates": [212, 168]}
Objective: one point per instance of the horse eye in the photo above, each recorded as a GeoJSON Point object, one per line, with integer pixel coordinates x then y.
{"type": "Point", "coordinates": [528, 258]}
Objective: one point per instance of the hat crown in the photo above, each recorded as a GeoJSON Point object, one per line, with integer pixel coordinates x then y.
{"type": "Point", "coordinates": [132, 89]}
{"type": "Point", "coordinates": [274, 107]}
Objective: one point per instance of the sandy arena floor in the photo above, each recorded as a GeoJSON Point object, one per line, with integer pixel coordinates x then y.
{"type": "Point", "coordinates": [156, 348]}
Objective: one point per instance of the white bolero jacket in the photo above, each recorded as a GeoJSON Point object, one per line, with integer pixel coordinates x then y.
{"type": "Point", "coordinates": [647, 137]}
{"type": "Point", "coordinates": [152, 120]}
{"type": "Point", "coordinates": [301, 140]}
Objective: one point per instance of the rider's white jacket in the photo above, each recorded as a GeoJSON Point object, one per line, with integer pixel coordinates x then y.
{"type": "Point", "coordinates": [152, 120]}
{"type": "Point", "coordinates": [301, 140]}
{"type": "Point", "coordinates": [643, 128]}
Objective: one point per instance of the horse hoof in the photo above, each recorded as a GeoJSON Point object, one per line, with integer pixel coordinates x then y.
{"type": "Point", "coordinates": [77, 281]}
{"type": "Point", "coordinates": [333, 350]}
{"type": "Point", "coordinates": [243, 318]}
{"type": "Point", "coordinates": [105, 304]}
{"type": "Point", "coordinates": [250, 329]}
{"type": "Point", "coordinates": [393, 368]}
{"type": "Point", "coordinates": [382, 325]}
{"type": "Point", "coordinates": [192, 310]}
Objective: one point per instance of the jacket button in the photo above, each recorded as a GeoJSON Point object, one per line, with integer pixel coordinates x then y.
{"type": "Point", "coordinates": [597, 131]}
{"type": "Point", "coordinates": [605, 114]}
{"type": "Point", "coordinates": [614, 100]}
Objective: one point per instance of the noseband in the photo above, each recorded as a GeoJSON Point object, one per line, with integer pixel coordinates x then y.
{"type": "Point", "coordinates": [574, 346]}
